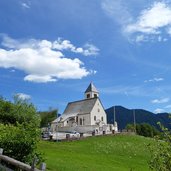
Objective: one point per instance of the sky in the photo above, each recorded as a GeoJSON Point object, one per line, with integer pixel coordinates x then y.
{"type": "Point", "coordinates": [50, 51]}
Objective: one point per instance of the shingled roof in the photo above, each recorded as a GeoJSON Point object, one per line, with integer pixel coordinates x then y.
{"type": "Point", "coordinates": [91, 88]}
{"type": "Point", "coordinates": [78, 107]}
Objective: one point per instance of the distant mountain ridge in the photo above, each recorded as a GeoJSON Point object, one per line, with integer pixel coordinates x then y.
{"type": "Point", "coordinates": [123, 116]}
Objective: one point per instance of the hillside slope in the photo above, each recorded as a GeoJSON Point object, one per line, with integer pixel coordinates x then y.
{"type": "Point", "coordinates": [103, 153]}
{"type": "Point", "coordinates": [125, 116]}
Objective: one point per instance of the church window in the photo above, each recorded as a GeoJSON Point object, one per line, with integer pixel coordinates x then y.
{"type": "Point", "coordinates": [81, 121]}
{"type": "Point", "coordinates": [95, 118]}
{"type": "Point", "coordinates": [88, 96]}
{"type": "Point", "coordinates": [102, 118]}
{"type": "Point", "coordinates": [98, 110]}
{"type": "Point", "coordinates": [95, 95]}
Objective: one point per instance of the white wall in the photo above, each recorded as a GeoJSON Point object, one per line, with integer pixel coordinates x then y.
{"type": "Point", "coordinates": [99, 112]}
{"type": "Point", "coordinates": [86, 118]}
{"type": "Point", "coordinates": [92, 95]}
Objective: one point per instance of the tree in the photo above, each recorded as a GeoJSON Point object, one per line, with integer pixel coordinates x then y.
{"type": "Point", "coordinates": [19, 127]}
{"type": "Point", "coordinates": [144, 129]}
{"type": "Point", "coordinates": [130, 127]}
{"type": "Point", "coordinates": [47, 117]}
{"type": "Point", "coordinates": [161, 151]}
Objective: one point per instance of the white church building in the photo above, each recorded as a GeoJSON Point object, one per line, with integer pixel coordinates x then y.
{"type": "Point", "coordinates": [83, 116]}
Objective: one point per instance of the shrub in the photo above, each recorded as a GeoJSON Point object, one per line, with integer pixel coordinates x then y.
{"type": "Point", "coordinates": [19, 127]}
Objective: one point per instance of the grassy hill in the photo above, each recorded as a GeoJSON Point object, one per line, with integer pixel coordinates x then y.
{"type": "Point", "coordinates": [105, 153]}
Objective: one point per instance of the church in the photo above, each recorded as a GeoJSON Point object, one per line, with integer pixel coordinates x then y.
{"type": "Point", "coordinates": [83, 115]}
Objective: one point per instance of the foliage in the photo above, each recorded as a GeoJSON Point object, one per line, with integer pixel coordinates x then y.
{"type": "Point", "coordinates": [47, 117]}
{"type": "Point", "coordinates": [101, 153]}
{"type": "Point", "coordinates": [21, 111]}
{"type": "Point", "coordinates": [161, 152]}
{"type": "Point", "coordinates": [144, 129]}
{"type": "Point", "coordinates": [19, 127]}
{"type": "Point", "coordinates": [130, 127]}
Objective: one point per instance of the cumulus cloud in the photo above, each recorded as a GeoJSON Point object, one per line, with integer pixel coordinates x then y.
{"type": "Point", "coordinates": [23, 96]}
{"type": "Point", "coordinates": [152, 21]}
{"type": "Point", "coordinates": [154, 80]}
{"type": "Point", "coordinates": [42, 60]}
{"type": "Point", "coordinates": [87, 50]}
{"type": "Point", "coordinates": [158, 110]}
{"type": "Point", "coordinates": [149, 21]}
{"type": "Point", "coordinates": [159, 101]}
{"type": "Point", "coordinates": [159, 15]}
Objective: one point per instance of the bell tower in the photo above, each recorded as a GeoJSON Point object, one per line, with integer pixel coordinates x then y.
{"type": "Point", "coordinates": [91, 92]}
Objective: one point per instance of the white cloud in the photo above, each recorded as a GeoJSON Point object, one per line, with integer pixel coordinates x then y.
{"type": "Point", "coordinates": [159, 15]}
{"type": "Point", "coordinates": [23, 96]}
{"type": "Point", "coordinates": [169, 30]}
{"type": "Point", "coordinates": [87, 50]}
{"type": "Point", "coordinates": [13, 70]}
{"type": "Point", "coordinates": [39, 78]}
{"type": "Point", "coordinates": [40, 60]}
{"type": "Point", "coordinates": [158, 101]}
{"type": "Point", "coordinates": [168, 107]}
{"type": "Point", "coordinates": [59, 44]}
{"type": "Point", "coordinates": [154, 80]}
{"type": "Point", "coordinates": [141, 21]}
{"type": "Point", "coordinates": [25, 5]}
{"type": "Point", "coordinates": [117, 10]}
{"type": "Point", "coordinates": [151, 21]}
{"type": "Point", "coordinates": [158, 110]}
{"type": "Point", "coordinates": [140, 38]}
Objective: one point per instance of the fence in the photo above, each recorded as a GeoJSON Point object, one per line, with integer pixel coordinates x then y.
{"type": "Point", "coordinates": [18, 164]}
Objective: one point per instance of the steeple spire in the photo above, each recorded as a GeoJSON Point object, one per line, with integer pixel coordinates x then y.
{"type": "Point", "coordinates": [91, 91]}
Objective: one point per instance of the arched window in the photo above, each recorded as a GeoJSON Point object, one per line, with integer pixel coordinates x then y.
{"type": "Point", "coordinates": [81, 121]}
{"type": "Point", "coordinates": [94, 118]}
{"type": "Point", "coordinates": [95, 95]}
{"type": "Point", "coordinates": [88, 96]}
{"type": "Point", "coordinates": [102, 118]}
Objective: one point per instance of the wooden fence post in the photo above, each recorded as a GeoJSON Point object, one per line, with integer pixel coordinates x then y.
{"type": "Point", "coordinates": [1, 151]}
{"type": "Point", "coordinates": [35, 160]}
{"type": "Point", "coordinates": [43, 166]}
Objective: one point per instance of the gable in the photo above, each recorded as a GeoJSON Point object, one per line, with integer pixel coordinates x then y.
{"type": "Point", "coordinates": [98, 105]}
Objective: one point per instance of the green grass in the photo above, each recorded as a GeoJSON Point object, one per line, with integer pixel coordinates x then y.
{"type": "Point", "coordinates": [108, 153]}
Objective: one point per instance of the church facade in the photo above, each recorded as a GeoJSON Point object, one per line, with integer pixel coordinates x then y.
{"type": "Point", "coordinates": [83, 115]}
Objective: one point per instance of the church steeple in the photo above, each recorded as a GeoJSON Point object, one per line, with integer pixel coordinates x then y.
{"type": "Point", "coordinates": [91, 92]}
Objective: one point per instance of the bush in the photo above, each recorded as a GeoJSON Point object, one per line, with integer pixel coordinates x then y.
{"type": "Point", "coordinates": [144, 129]}
{"type": "Point", "coordinates": [19, 127]}
{"type": "Point", "coordinates": [161, 152]}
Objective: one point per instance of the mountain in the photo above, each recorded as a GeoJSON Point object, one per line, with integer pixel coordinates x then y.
{"type": "Point", "coordinates": [123, 116]}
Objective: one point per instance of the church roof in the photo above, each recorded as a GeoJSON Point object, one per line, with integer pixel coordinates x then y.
{"type": "Point", "coordinates": [78, 107]}
{"type": "Point", "coordinates": [91, 88]}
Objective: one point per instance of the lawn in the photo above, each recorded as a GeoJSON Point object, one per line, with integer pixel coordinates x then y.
{"type": "Point", "coordinates": [105, 153]}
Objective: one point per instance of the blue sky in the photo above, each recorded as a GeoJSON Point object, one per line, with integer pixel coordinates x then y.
{"type": "Point", "coordinates": [51, 50]}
